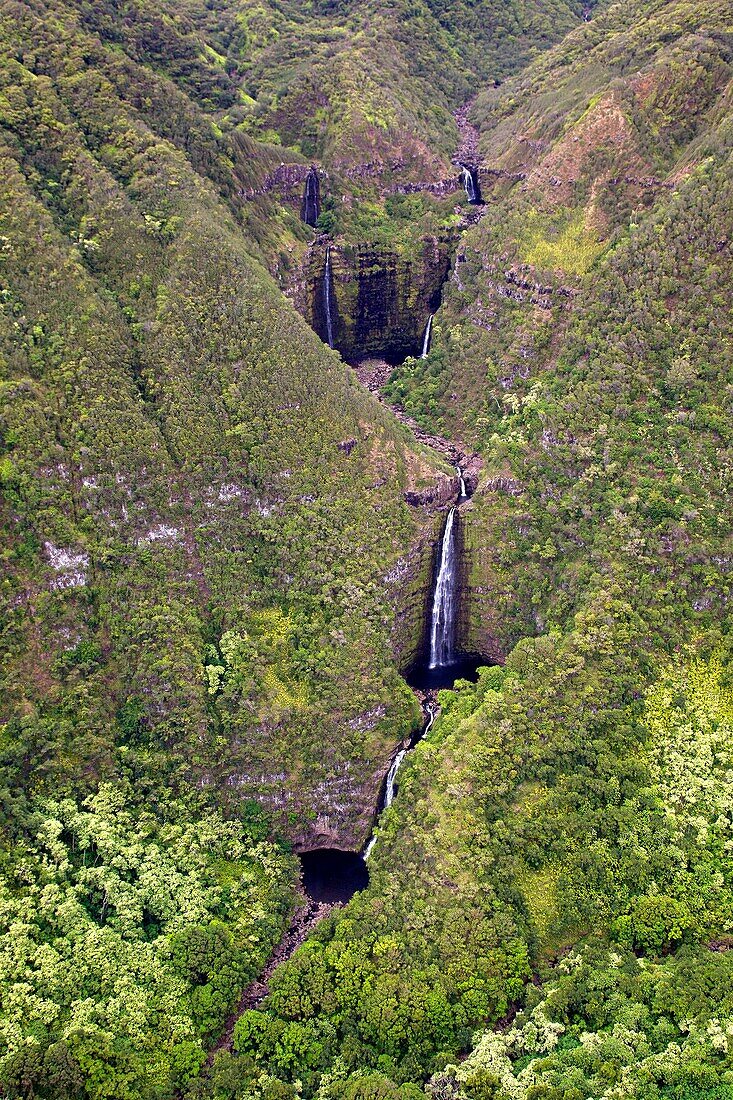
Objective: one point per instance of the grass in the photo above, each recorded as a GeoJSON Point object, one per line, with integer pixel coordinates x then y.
{"type": "Point", "coordinates": [564, 244]}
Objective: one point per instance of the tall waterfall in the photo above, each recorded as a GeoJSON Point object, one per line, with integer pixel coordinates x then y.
{"type": "Point", "coordinates": [311, 207]}
{"type": "Point", "coordinates": [459, 471]}
{"type": "Point", "coordinates": [443, 620]}
{"type": "Point", "coordinates": [327, 292]}
{"type": "Point", "coordinates": [426, 338]}
{"type": "Point", "coordinates": [470, 185]}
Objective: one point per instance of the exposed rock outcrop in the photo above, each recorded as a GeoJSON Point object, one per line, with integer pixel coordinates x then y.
{"type": "Point", "coordinates": [381, 297]}
{"type": "Point", "coordinates": [286, 181]}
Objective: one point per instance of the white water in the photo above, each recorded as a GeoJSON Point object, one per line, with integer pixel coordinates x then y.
{"type": "Point", "coordinates": [443, 620]}
{"type": "Point", "coordinates": [459, 471]}
{"type": "Point", "coordinates": [390, 788]}
{"type": "Point", "coordinates": [426, 338]}
{"type": "Point", "coordinates": [327, 296]}
{"type": "Point", "coordinates": [468, 184]}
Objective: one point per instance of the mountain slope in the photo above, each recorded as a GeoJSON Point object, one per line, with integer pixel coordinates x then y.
{"type": "Point", "coordinates": [218, 549]}
{"type": "Point", "coordinates": [185, 463]}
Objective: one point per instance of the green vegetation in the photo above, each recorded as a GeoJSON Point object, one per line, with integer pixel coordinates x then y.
{"type": "Point", "coordinates": [126, 941]}
{"type": "Point", "coordinates": [358, 83]}
{"type": "Point", "coordinates": [211, 571]}
{"type": "Point", "coordinates": [568, 247]}
{"type": "Point", "coordinates": [607, 820]}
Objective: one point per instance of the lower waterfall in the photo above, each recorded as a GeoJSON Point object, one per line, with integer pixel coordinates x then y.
{"type": "Point", "coordinates": [469, 177]}
{"type": "Point", "coordinates": [390, 787]}
{"type": "Point", "coordinates": [446, 663]}
{"type": "Point", "coordinates": [426, 338]}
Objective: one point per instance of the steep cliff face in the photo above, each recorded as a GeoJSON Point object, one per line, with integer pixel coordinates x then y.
{"type": "Point", "coordinates": [482, 627]}
{"type": "Point", "coordinates": [410, 582]}
{"type": "Point", "coordinates": [381, 298]}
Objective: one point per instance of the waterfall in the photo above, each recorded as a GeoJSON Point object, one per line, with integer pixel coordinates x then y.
{"type": "Point", "coordinates": [390, 788]}
{"type": "Point", "coordinates": [470, 183]}
{"type": "Point", "coordinates": [443, 620]}
{"type": "Point", "coordinates": [327, 280]}
{"type": "Point", "coordinates": [311, 207]}
{"type": "Point", "coordinates": [459, 471]}
{"type": "Point", "coordinates": [426, 338]}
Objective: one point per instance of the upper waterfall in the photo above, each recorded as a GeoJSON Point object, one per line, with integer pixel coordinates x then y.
{"type": "Point", "coordinates": [311, 206]}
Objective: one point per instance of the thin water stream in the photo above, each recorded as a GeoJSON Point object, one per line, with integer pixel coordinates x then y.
{"type": "Point", "coordinates": [426, 338]}
{"type": "Point", "coordinates": [327, 294]}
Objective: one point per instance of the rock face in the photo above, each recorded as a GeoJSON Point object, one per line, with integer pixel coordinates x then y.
{"type": "Point", "coordinates": [480, 626]}
{"type": "Point", "coordinates": [411, 585]}
{"type": "Point", "coordinates": [381, 299]}
{"type": "Point", "coordinates": [412, 578]}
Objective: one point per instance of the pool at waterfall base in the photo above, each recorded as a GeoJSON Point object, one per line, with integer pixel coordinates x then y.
{"type": "Point", "coordinates": [461, 667]}
{"type": "Point", "coordinates": [331, 876]}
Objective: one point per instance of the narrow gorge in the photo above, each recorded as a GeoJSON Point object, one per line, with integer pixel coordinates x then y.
{"type": "Point", "coordinates": [332, 875]}
{"type": "Point", "coordinates": [376, 307]}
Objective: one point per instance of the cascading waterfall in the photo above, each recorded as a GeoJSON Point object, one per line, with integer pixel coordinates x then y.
{"type": "Point", "coordinates": [311, 207]}
{"type": "Point", "coordinates": [426, 338]}
{"type": "Point", "coordinates": [327, 281]}
{"type": "Point", "coordinates": [390, 787]}
{"type": "Point", "coordinates": [443, 653]}
{"type": "Point", "coordinates": [443, 619]}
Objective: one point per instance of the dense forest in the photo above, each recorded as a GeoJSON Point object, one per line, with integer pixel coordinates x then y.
{"type": "Point", "coordinates": [220, 549]}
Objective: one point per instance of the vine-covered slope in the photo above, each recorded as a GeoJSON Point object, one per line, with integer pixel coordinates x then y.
{"type": "Point", "coordinates": [216, 548]}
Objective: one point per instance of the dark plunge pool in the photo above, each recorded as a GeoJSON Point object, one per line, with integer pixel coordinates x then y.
{"type": "Point", "coordinates": [330, 875]}
{"type": "Point", "coordinates": [444, 676]}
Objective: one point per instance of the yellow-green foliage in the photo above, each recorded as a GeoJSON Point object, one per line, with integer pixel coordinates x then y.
{"type": "Point", "coordinates": [539, 889]}
{"type": "Point", "coordinates": [689, 716]}
{"type": "Point", "coordinates": [127, 939]}
{"type": "Point", "coordinates": [559, 243]}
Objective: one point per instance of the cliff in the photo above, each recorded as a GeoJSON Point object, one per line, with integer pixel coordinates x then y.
{"type": "Point", "coordinates": [382, 297]}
